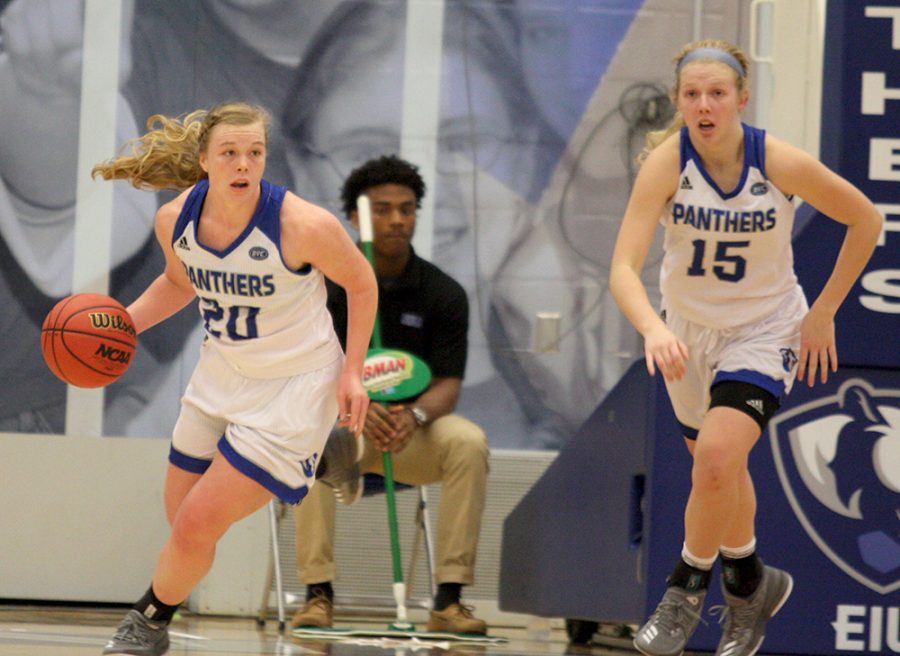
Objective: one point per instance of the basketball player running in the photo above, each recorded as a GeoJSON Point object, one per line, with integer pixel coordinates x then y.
{"type": "Point", "coordinates": [735, 328]}
{"type": "Point", "coordinates": [271, 377]}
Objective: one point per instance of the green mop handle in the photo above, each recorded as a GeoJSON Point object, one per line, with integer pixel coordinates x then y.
{"type": "Point", "coordinates": [365, 237]}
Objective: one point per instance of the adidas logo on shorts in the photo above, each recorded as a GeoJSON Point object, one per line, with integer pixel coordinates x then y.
{"type": "Point", "coordinates": [757, 405]}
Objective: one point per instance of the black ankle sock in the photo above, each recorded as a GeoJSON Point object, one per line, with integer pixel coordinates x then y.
{"type": "Point", "coordinates": [688, 577]}
{"type": "Point", "coordinates": [152, 608]}
{"type": "Point", "coordinates": [742, 575]}
{"type": "Point", "coordinates": [323, 589]}
{"type": "Point", "coordinates": [447, 594]}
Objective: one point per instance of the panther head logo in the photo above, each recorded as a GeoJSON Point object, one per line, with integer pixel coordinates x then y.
{"type": "Point", "coordinates": [788, 358]}
{"type": "Point", "coordinates": [838, 459]}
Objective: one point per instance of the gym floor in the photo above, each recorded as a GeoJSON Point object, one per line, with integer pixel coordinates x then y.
{"type": "Point", "coordinates": [27, 630]}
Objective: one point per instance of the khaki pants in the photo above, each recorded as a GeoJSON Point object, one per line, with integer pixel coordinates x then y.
{"type": "Point", "coordinates": [451, 450]}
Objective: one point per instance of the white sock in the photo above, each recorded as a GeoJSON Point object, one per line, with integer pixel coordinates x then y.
{"type": "Point", "coordinates": [738, 552]}
{"type": "Point", "coordinates": [705, 564]}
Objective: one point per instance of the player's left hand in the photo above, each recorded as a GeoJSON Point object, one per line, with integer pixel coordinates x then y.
{"type": "Point", "coordinates": [818, 349]}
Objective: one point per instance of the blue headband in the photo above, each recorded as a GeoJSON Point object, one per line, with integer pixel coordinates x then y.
{"type": "Point", "coordinates": [716, 54]}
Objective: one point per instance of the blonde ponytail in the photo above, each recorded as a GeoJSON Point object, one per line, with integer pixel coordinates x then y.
{"type": "Point", "coordinates": [656, 137]}
{"type": "Point", "coordinates": [168, 155]}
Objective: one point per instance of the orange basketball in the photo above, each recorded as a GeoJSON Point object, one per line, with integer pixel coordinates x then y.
{"type": "Point", "coordinates": [88, 340]}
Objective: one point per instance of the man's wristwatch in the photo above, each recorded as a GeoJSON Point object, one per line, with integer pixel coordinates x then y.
{"type": "Point", "coordinates": [419, 415]}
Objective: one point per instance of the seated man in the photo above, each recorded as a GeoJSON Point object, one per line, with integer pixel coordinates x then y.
{"type": "Point", "coordinates": [425, 312]}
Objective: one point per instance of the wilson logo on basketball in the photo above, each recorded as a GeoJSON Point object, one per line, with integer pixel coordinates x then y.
{"type": "Point", "coordinates": [388, 370]}
{"type": "Point", "coordinates": [113, 354]}
{"type": "Point", "coordinates": [111, 322]}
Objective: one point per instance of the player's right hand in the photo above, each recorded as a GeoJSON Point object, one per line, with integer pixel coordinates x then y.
{"type": "Point", "coordinates": [664, 351]}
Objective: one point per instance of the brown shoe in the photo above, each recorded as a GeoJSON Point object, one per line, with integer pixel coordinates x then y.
{"type": "Point", "coordinates": [456, 618]}
{"type": "Point", "coordinates": [318, 612]}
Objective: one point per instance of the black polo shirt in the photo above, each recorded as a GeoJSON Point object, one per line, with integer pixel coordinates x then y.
{"type": "Point", "coordinates": [423, 311]}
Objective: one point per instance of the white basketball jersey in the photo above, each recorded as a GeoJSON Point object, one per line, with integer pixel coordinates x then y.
{"type": "Point", "coordinates": [728, 258]}
{"type": "Point", "coordinates": [266, 320]}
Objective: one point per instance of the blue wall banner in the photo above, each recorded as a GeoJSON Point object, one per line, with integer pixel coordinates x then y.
{"type": "Point", "coordinates": [861, 141]}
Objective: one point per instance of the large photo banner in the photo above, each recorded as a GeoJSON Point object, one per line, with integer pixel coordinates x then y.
{"type": "Point", "coordinates": [41, 47]}
{"type": "Point", "coordinates": [542, 107]}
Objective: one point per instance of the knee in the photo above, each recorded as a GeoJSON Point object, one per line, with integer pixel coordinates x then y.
{"type": "Point", "coordinates": [467, 443]}
{"type": "Point", "coordinates": [713, 471]}
{"type": "Point", "coordinates": [191, 531]}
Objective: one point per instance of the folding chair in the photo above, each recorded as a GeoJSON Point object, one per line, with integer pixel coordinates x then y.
{"type": "Point", "coordinates": [373, 484]}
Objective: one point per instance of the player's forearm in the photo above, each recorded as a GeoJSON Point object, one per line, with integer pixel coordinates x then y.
{"type": "Point", "coordinates": [158, 302]}
{"type": "Point", "coordinates": [859, 243]}
{"type": "Point", "coordinates": [631, 297]}
{"type": "Point", "coordinates": [361, 308]}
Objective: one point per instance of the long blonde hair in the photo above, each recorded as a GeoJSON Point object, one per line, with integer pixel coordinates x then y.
{"type": "Point", "coordinates": [168, 156]}
{"type": "Point", "coordinates": [656, 137]}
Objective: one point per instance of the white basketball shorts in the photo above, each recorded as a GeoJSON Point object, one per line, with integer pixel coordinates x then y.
{"type": "Point", "coordinates": [763, 353]}
{"type": "Point", "coordinates": [271, 430]}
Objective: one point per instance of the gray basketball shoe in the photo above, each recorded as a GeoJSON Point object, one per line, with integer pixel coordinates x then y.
{"type": "Point", "coordinates": [745, 617]}
{"type": "Point", "coordinates": [340, 465]}
{"type": "Point", "coordinates": [673, 622]}
{"type": "Point", "coordinates": [139, 636]}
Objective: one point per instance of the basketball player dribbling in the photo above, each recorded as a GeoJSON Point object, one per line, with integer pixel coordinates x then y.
{"type": "Point", "coordinates": [735, 328]}
{"type": "Point", "coordinates": [271, 378]}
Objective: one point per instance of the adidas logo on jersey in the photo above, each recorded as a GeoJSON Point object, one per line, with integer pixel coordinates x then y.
{"type": "Point", "coordinates": [686, 183]}
{"type": "Point", "coordinates": [182, 243]}
{"type": "Point", "coordinates": [757, 405]}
